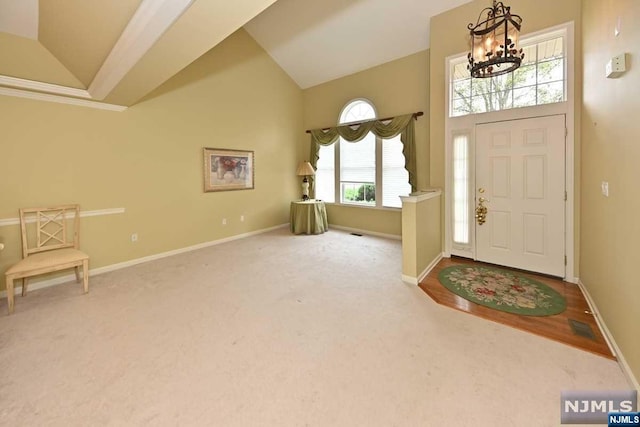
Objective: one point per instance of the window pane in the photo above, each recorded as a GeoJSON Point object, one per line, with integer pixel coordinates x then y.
{"type": "Point", "coordinates": [524, 76]}
{"type": "Point", "coordinates": [357, 111]}
{"type": "Point", "coordinates": [524, 97]}
{"type": "Point", "coordinates": [529, 54]}
{"type": "Point", "coordinates": [461, 224]}
{"type": "Point", "coordinates": [501, 100]}
{"type": "Point", "coordinates": [480, 86]}
{"type": "Point", "coordinates": [361, 193]}
{"type": "Point", "coordinates": [550, 92]}
{"type": "Point", "coordinates": [461, 88]}
{"type": "Point", "coordinates": [502, 82]}
{"type": "Point", "coordinates": [325, 174]}
{"type": "Point", "coordinates": [358, 170]}
{"type": "Point", "coordinates": [395, 178]}
{"type": "Point", "coordinates": [550, 49]}
{"type": "Point", "coordinates": [358, 160]}
{"type": "Point", "coordinates": [461, 107]}
{"type": "Point", "coordinates": [550, 71]}
{"type": "Point", "coordinates": [480, 104]}
{"type": "Point", "coordinates": [460, 70]}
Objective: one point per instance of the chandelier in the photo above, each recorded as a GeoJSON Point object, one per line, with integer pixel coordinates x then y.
{"type": "Point", "coordinates": [494, 49]}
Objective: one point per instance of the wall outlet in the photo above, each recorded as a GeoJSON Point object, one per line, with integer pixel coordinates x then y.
{"type": "Point", "coordinates": [134, 237]}
{"type": "Point", "coordinates": [224, 221]}
{"type": "Point", "coordinates": [241, 218]}
{"type": "Point", "coordinates": [605, 188]}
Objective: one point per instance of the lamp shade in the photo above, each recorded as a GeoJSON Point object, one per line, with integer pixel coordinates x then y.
{"type": "Point", "coordinates": [305, 169]}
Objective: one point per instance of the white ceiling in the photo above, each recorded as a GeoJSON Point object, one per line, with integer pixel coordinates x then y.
{"type": "Point", "coordinates": [108, 54]}
{"type": "Point", "coordinates": [318, 41]}
{"type": "Point", "coordinates": [102, 53]}
{"type": "Point", "coordinates": [19, 17]}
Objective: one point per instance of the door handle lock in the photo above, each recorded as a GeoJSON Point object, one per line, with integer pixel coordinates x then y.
{"type": "Point", "coordinates": [481, 211]}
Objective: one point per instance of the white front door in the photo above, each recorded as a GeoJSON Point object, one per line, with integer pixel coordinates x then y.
{"type": "Point", "coordinates": [520, 173]}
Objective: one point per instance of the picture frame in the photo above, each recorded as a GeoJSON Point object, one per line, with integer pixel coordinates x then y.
{"type": "Point", "coordinates": [227, 170]}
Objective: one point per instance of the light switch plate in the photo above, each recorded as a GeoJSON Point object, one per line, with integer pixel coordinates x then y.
{"type": "Point", "coordinates": [605, 188]}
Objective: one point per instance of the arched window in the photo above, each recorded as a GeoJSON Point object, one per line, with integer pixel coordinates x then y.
{"type": "Point", "coordinates": [369, 172]}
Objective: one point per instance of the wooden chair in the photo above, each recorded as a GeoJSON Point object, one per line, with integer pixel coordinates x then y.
{"type": "Point", "coordinates": [52, 246]}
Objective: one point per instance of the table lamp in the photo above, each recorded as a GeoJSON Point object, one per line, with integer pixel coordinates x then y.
{"type": "Point", "coordinates": [305, 169]}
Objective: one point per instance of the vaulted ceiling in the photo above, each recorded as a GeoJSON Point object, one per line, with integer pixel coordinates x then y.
{"type": "Point", "coordinates": [116, 52]}
{"type": "Point", "coordinates": [317, 41]}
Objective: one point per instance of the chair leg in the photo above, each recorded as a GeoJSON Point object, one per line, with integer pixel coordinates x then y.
{"type": "Point", "coordinates": [77, 270]}
{"type": "Point", "coordinates": [25, 284]}
{"type": "Point", "coordinates": [85, 275]}
{"type": "Point", "coordinates": [10, 293]}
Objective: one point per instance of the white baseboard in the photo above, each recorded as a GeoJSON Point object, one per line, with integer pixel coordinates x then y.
{"type": "Point", "coordinates": [430, 267]}
{"type": "Point", "coordinates": [416, 280]}
{"type": "Point", "coordinates": [367, 232]}
{"type": "Point", "coordinates": [410, 280]}
{"type": "Point", "coordinates": [100, 270]}
{"type": "Point", "coordinates": [633, 381]}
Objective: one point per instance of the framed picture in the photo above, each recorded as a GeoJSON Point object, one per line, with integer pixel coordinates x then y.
{"type": "Point", "coordinates": [226, 170]}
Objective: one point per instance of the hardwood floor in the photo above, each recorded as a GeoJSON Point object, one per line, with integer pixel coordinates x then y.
{"type": "Point", "coordinates": [554, 327]}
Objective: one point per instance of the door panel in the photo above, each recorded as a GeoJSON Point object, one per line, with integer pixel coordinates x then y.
{"type": "Point", "coordinates": [500, 230]}
{"type": "Point", "coordinates": [520, 172]}
{"type": "Point", "coordinates": [534, 234]}
{"type": "Point", "coordinates": [501, 176]}
{"type": "Point", "coordinates": [535, 175]}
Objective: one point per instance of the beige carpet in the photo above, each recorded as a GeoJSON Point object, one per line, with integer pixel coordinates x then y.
{"type": "Point", "coordinates": [276, 330]}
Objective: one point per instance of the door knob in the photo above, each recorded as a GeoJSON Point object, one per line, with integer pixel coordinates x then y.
{"type": "Point", "coordinates": [481, 211]}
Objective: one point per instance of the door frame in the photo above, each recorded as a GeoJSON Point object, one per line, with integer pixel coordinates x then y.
{"type": "Point", "coordinates": [466, 125]}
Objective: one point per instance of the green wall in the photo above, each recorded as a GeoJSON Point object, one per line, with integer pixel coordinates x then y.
{"type": "Point", "coordinates": [421, 234]}
{"type": "Point", "coordinates": [610, 152]}
{"type": "Point", "coordinates": [148, 159]}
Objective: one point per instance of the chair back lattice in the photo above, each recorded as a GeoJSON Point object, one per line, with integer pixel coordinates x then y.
{"type": "Point", "coordinates": [51, 230]}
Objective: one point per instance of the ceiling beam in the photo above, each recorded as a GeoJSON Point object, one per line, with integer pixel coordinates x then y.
{"type": "Point", "coordinates": [147, 25]}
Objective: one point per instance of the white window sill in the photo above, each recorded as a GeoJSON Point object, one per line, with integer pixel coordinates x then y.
{"type": "Point", "coordinates": [377, 208]}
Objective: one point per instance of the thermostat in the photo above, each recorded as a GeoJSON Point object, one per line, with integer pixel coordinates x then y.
{"type": "Point", "coordinates": [616, 66]}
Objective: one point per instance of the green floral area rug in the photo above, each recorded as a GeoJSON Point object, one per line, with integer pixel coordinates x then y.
{"type": "Point", "coordinates": [502, 290]}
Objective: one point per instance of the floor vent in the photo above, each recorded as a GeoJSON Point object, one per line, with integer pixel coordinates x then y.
{"type": "Point", "coordinates": [582, 329]}
{"type": "Point", "coordinates": [356, 234]}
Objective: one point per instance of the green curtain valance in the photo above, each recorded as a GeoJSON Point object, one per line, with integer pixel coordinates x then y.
{"type": "Point", "coordinates": [400, 125]}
